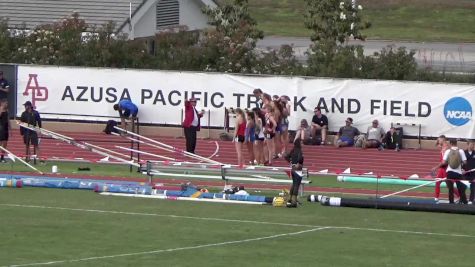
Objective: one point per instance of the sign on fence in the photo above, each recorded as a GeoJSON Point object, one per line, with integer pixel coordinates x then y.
{"type": "Point", "coordinates": [89, 94]}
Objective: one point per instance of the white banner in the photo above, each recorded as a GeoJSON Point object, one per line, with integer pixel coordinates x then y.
{"type": "Point", "coordinates": [89, 94]}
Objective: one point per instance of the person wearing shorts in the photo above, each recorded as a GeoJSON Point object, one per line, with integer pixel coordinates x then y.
{"type": "Point", "coordinates": [239, 135]}
{"type": "Point", "coordinates": [346, 134]}
{"type": "Point", "coordinates": [31, 118]}
{"type": "Point", "coordinates": [259, 119]}
{"type": "Point", "coordinates": [127, 110]}
{"type": "Point", "coordinates": [454, 173]}
{"type": "Point", "coordinates": [250, 136]}
{"type": "Point", "coordinates": [319, 125]}
{"type": "Point", "coordinates": [269, 133]}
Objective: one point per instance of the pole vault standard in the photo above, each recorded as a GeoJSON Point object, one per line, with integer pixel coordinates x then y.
{"type": "Point", "coordinates": [168, 147]}
{"type": "Point", "coordinates": [22, 161]}
{"type": "Point", "coordinates": [73, 142]}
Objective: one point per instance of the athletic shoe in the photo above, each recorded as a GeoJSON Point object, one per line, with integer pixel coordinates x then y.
{"type": "Point", "coordinates": [3, 161]}
{"type": "Point", "coordinates": [470, 203]}
{"type": "Point", "coordinates": [291, 205]}
{"type": "Point", "coordinates": [436, 200]}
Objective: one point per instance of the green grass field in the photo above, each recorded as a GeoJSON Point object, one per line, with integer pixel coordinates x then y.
{"type": "Point", "coordinates": [82, 228]}
{"type": "Point", "coordinates": [416, 20]}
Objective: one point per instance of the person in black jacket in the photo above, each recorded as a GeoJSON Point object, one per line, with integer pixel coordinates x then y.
{"type": "Point", "coordinates": [32, 118]}
{"type": "Point", "coordinates": [469, 166]}
{"type": "Point", "coordinates": [391, 139]}
{"type": "Point", "coordinates": [295, 157]}
{"type": "Point", "coordinates": [4, 127]}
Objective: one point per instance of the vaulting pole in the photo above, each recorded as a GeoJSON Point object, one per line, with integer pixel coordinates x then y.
{"type": "Point", "coordinates": [73, 142]}
{"type": "Point", "coordinates": [145, 153]}
{"type": "Point", "coordinates": [109, 151]}
{"type": "Point", "coordinates": [171, 148]}
{"type": "Point", "coordinates": [411, 188]}
{"type": "Point", "coordinates": [21, 160]}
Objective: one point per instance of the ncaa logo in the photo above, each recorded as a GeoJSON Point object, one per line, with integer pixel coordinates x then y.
{"type": "Point", "coordinates": [458, 111]}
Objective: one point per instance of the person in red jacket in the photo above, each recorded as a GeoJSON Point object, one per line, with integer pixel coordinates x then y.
{"type": "Point", "coordinates": [191, 124]}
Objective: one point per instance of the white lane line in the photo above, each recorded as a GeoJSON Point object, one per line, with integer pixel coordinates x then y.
{"type": "Point", "coordinates": [160, 215]}
{"type": "Point", "coordinates": [401, 231]}
{"type": "Point", "coordinates": [241, 221]}
{"type": "Point", "coordinates": [171, 249]}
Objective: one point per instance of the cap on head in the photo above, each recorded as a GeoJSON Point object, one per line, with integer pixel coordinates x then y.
{"type": "Point", "coordinates": [28, 104]}
{"type": "Point", "coordinates": [349, 120]}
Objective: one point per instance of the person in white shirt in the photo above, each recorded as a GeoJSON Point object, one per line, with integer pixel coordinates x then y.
{"type": "Point", "coordinates": [374, 136]}
{"type": "Point", "coordinates": [453, 159]}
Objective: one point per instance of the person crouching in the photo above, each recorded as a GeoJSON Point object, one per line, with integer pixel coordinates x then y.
{"type": "Point", "coordinates": [295, 157]}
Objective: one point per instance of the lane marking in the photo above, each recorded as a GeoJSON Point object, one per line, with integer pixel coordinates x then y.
{"type": "Point", "coordinates": [160, 215]}
{"type": "Point", "coordinates": [172, 249]}
{"type": "Point", "coordinates": [238, 221]}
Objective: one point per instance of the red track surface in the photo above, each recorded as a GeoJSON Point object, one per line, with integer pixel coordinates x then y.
{"type": "Point", "coordinates": [387, 162]}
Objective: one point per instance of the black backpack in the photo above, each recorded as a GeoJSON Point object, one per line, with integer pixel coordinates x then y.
{"type": "Point", "coordinates": [110, 127]}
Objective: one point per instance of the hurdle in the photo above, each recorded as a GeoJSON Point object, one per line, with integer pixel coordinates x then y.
{"type": "Point", "coordinates": [221, 172]}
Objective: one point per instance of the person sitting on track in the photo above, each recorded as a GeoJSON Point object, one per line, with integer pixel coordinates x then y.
{"type": "Point", "coordinates": [319, 125]}
{"type": "Point", "coordinates": [391, 139]}
{"type": "Point", "coordinates": [346, 134]}
{"type": "Point", "coordinates": [304, 133]}
{"type": "Point", "coordinates": [374, 136]}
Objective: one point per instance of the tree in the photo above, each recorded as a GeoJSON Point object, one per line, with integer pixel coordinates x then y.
{"type": "Point", "coordinates": [334, 22]}
{"type": "Point", "coordinates": [230, 46]}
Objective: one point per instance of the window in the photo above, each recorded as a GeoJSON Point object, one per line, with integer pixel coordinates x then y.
{"type": "Point", "coordinates": [168, 13]}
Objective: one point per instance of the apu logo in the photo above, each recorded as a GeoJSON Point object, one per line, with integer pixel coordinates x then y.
{"type": "Point", "coordinates": [38, 93]}
{"type": "Point", "coordinates": [458, 111]}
